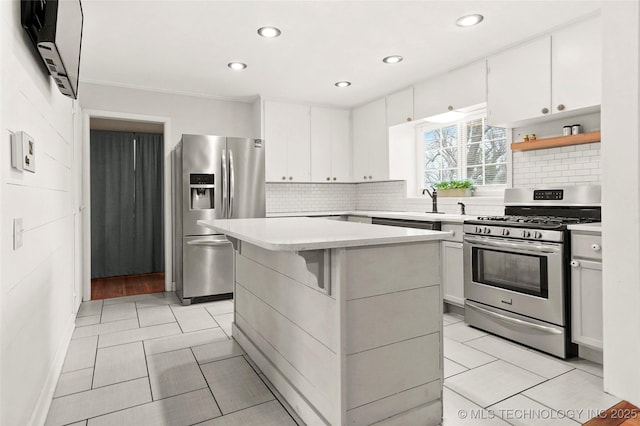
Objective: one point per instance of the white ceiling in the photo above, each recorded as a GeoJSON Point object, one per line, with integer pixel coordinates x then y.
{"type": "Point", "coordinates": [184, 46]}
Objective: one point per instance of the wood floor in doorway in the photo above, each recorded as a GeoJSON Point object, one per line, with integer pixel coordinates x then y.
{"type": "Point", "coordinates": [621, 414]}
{"type": "Point", "coordinates": [128, 285]}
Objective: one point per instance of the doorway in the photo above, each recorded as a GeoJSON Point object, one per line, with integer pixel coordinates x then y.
{"type": "Point", "coordinates": [127, 215]}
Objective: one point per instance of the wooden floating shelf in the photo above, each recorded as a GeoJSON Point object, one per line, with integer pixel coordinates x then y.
{"type": "Point", "coordinates": [555, 142]}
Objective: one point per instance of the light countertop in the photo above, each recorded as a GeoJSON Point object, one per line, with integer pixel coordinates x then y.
{"type": "Point", "coordinates": [304, 233]}
{"type": "Point", "coordinates": [435, 217]}
{"type": "Point", "coordinates": [588, 227]}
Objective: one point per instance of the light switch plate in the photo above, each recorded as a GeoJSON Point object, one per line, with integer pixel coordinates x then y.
{"type": "Point", "coordinates": [23, 152]}
{"type": "Point", "coordinates": [17, 233]}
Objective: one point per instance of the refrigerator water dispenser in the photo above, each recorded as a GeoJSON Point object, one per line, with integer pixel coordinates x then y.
{"type": "Point", "coordinates": [202, 191]}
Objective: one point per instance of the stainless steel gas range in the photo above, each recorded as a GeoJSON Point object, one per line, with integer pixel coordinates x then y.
{"type": "Point", "coordinates": [516, 276]}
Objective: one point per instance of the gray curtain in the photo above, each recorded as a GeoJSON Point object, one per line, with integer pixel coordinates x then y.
{"type": "Point", "coordinates": [127, 235]}
{"type": "Point", "coordinates": [149, 205]}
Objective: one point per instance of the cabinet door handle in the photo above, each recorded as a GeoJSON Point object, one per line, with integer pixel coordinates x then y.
{"type": "Point", "coordinates": [596, 247]}
{"type": "Point", "coordinates": [545, 110]}
{"type": "Point", "coordinates": [290, 177]}
{"type": "Point", "coordinates": [561, 107]}
{"type": "Point", "coordinates": [284, 178]}
{"type": "Point", "coordinates": [328, 178]}
{"type": "Point", "coordinates": [575, 264]}
{"type": "Point", "coordinates": [370, 177]}
{"type": "Point", "coordinates": [334, 178]}
{"type": "Point", "coordinates": [364, 177]}
{"type": "Point", "coordinates": [450, 107]}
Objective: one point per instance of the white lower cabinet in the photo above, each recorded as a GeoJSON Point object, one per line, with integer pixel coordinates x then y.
{"type": "Point", "coordinates": [586, 290]}
{"type": "Point", "coordinates": [453, 266]}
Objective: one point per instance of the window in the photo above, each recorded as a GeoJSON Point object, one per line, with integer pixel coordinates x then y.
{"type": "Point", "coordinates": [466, 149]}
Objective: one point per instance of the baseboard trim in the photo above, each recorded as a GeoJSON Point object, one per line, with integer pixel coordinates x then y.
{"type": "Point", "coordinates": [39, 415]}
{"type": "Point", "coordinates": [590, 354]}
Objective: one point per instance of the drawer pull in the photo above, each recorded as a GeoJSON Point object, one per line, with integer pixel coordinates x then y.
{"type": "Point", "coordinates": [596, 247]}
{"type": "Point", "coordinates": [575, 264]}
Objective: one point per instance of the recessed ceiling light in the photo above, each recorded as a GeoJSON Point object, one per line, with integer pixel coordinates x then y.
{"type": "Point", "coordinates": [343, 84]}
{"type": "Point", "coordinates": [269, 32]}
{"type": "Point", "coordinates": [469, 20]}
{"type": "Point", "coordinates": [393, 59]}
{"type": "Point", "coordinates": [237, 66]}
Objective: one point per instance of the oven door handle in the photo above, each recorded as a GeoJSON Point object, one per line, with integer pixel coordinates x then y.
{"type": "Point", "coordinates": [529, 247]}
{"type": "Point", "coordinates": [508, 319]}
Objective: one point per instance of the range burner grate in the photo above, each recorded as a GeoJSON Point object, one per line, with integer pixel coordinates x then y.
{"type": "Point", "coordinates": [545, 220]}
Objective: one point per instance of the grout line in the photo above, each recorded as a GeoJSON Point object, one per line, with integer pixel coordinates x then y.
{"type": "Point", "coordinates": [177, 321]}
{"type": "Point", "coordinates": [207, 382]}
{"type": "Point", "coordinates": [138, 405]}
{"type": "Point", "coordinates": [95, 361]}
{"type": "Point", "coordinates": [544, 405]}
{"type": "Point", "coordinates": [264, 380]}
{"type": "Point", "coordinates": [221, 359]}
{"type": "Point", "coordinates": [146, 364]}
{"type": "Point", "coordinates": [517, 365]}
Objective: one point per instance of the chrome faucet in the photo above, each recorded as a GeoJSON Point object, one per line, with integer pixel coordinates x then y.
{"type": "Point", "coordinates": [434, 199]}
{"type": "Point", "coordinates": [462, 206]}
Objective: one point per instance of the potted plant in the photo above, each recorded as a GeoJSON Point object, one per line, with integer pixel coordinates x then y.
{"type": "Point", "coordinates": [454, 188]}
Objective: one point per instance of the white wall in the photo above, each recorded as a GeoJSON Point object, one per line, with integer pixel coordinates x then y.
{"type": "Point", "coordinates": [620, 197]}
{"type": "Point", "coordinates": [37, 281]}
{"type": "Point", "coordinates": [184, 114]}
{"type": "Point", "coordinates": [188, 114]}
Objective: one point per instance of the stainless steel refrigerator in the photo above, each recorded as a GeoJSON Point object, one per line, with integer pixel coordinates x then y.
{"type": "Point", "coordinates": [214, 177]}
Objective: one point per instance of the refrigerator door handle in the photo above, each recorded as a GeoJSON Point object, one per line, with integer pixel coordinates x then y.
{"type": "Point", "coordinates": [208, 243]}
{"type": "Point", "coordinates": [224, 183]}
{"type": "Point", "coordinates": [232, 183]}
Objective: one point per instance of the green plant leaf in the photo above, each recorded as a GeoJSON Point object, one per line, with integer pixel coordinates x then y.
{"type": "Point", "coordinates": [454, 184]}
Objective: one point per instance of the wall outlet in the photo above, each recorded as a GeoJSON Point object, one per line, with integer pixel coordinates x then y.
{"type": "Point", "coordinates": [17, 233]}
{"type": "Point", "coordinates": [23, 152]}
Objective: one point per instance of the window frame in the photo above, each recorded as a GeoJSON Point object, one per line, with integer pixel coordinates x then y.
{"type": "Point", "coordinates": [492, 190]}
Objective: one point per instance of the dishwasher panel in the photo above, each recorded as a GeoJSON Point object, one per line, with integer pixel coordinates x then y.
{"type": "Point", "coordinates": [419, 224]}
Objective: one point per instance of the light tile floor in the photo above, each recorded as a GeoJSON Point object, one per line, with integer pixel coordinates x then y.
{"type": "Point", "coordinates": [147, 360]}
{"type": "Point", "coordinates": [491, 381]}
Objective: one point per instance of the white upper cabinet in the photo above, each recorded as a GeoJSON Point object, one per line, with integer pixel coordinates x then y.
{"type": "Point", "coordinates": [287, 137]}
{"type": "Point", "coordinates": [454, 90]}
{"type": "Point", "coordinates": [576, 53]}
{"type": "Point", "coordinates": [519, 83]}
{"type": "Point", "coordinates": [400, 107]}
{"type": "Point", "coordinates": [330, 146]}
{"type": "Point", "coordinates": [555, 74]}
{"type": "Point", "coordinates": [370, 150]}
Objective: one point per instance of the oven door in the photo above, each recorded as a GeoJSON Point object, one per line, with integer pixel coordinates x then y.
{"type": "Point", "coordinates": [524, 277]}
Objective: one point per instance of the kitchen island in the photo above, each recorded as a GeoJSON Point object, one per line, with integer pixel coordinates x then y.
{"type": "Point", "coordinates": [345, 319]}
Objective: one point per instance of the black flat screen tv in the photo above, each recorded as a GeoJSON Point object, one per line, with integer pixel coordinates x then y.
{"type": "Point", "coordinates": [55, 28]}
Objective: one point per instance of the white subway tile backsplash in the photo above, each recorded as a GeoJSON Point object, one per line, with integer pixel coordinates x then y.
{"type": "Point", "coordinates": [381, 196]}
{"type": "Point", "coordinates": [306, 197]}
{"type": "Point", "coordinates": [569, 165]}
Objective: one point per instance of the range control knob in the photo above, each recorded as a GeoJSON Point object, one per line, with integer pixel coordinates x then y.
{"type": "Point", "coordinates": [526, 234]}
{"type": "Point", "coordinates": [505, 232]}
{"type": "Point", "coordinates": [478, 230]}
{"type": "Point", "coordinates": [486, 230]}
{"type": "Point", "coordinates": [537, 234]}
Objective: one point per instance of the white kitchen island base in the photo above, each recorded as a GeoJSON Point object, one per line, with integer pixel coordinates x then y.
{"type": "Point", "coordinates": [348, 335]}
